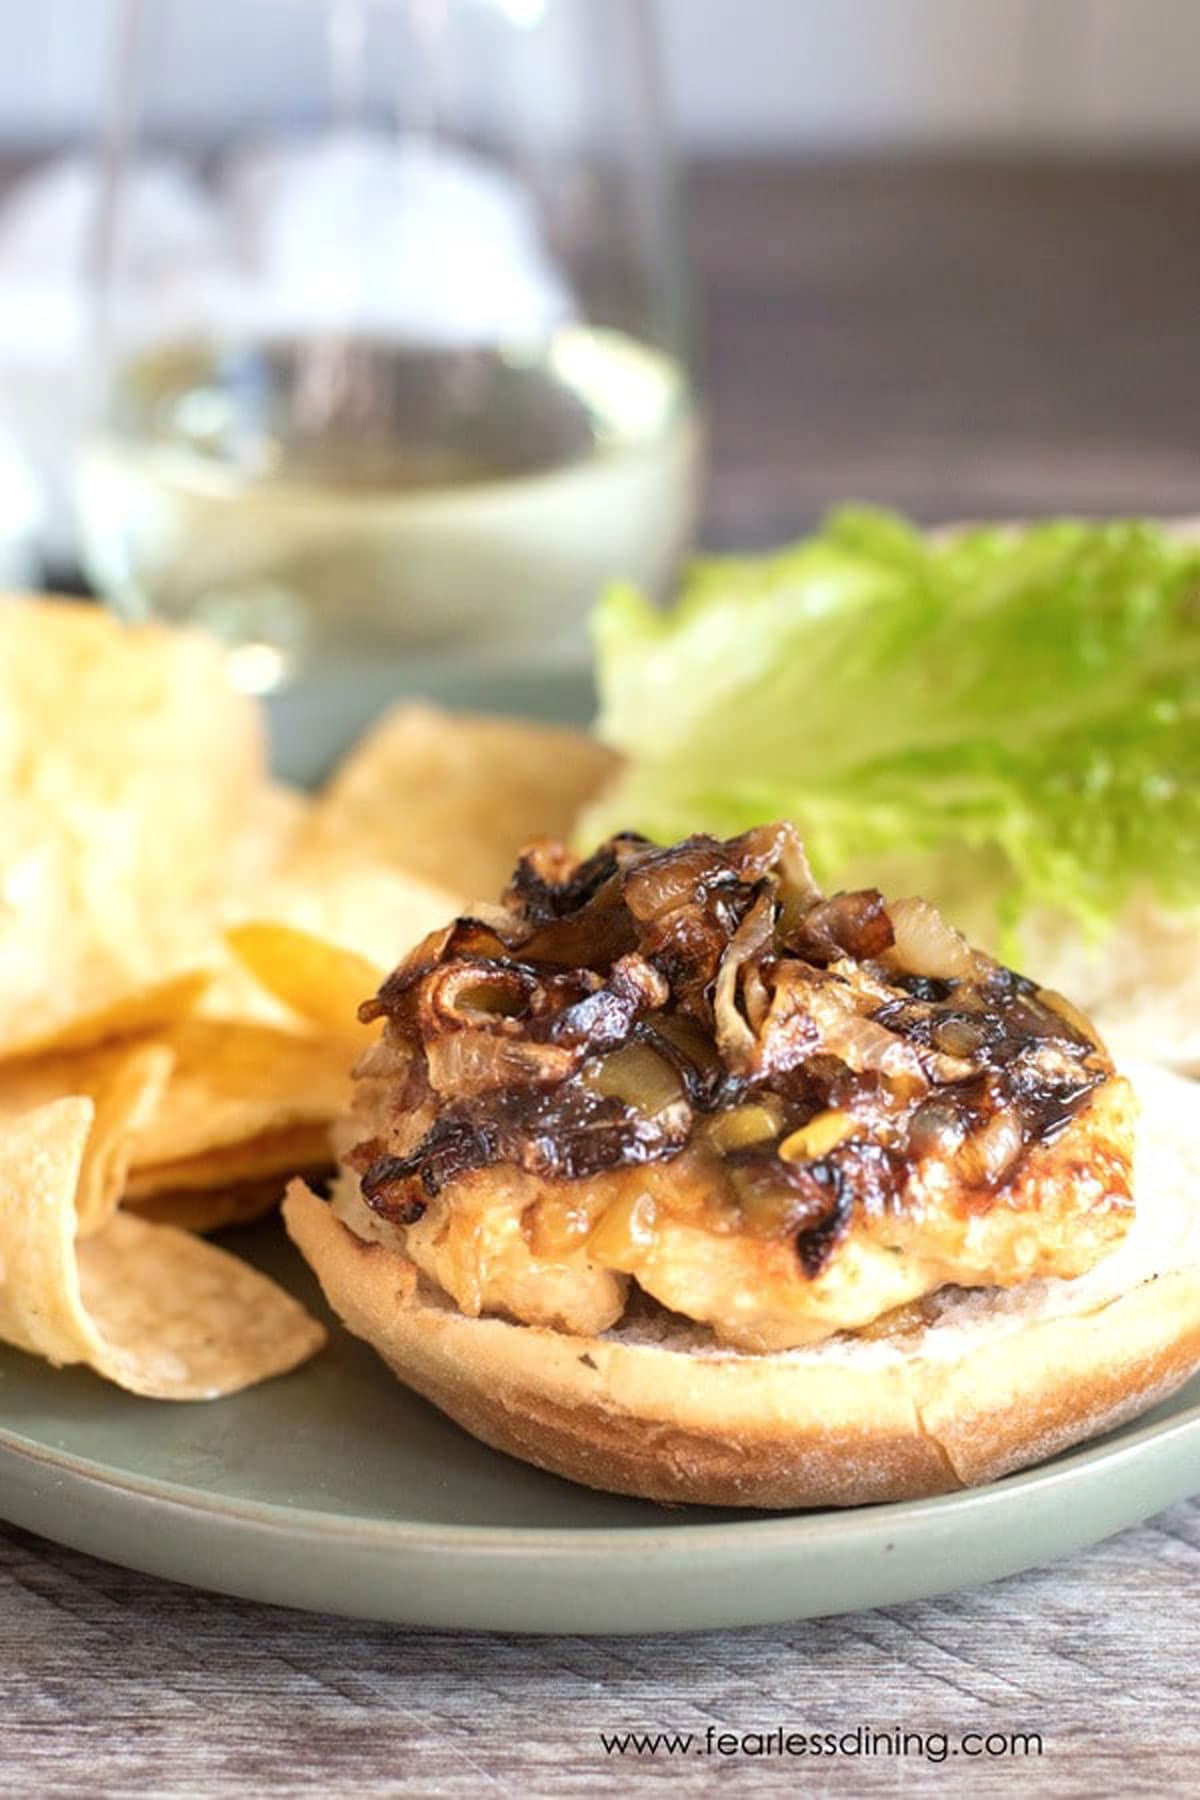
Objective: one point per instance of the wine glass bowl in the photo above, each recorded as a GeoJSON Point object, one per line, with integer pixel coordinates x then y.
{"type": "Point", "coordinates": [419, 385]}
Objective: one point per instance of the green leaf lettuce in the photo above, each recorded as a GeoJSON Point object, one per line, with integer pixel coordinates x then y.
{"type": "Point", "coordinates": [1006, 719]}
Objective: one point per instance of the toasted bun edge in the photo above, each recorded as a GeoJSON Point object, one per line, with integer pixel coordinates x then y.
{"type": "Point", "coordinates": [783, 1431]}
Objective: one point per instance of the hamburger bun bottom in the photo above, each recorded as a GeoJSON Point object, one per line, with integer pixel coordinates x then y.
{"type": "Point", "coordinates": [998, 1380]}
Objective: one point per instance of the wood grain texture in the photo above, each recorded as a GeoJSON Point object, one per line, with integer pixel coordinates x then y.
{"type": "Point", "coordinates": [959, 340]}
{"type": "Point", "coordinates": [956, 340]}
{"type": "Point", "coordinates": [113, 1683]}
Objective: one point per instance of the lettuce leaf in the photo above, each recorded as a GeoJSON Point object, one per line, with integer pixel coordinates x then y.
{"type": "Point", "coordinates": [1004, 720]}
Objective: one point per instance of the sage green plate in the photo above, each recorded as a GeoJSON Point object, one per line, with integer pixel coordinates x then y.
{"type": "Point", "coordinates": [336, 1490]}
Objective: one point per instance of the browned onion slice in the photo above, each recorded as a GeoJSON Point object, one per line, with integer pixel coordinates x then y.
{"type": "Point", "coordinates": [926, 945]}
{"type": "Point", "coordinates": [735, 1039]}
{"type": "Point", "coordinates": [472, 1062]}
{"type": "Point", "coordinates": [990, 1154]}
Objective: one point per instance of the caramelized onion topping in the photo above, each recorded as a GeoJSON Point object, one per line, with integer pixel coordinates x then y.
{"type": "Point", "coordinates": [615, 1010]}
{"type": "Point", "coordinates": [926, 945]}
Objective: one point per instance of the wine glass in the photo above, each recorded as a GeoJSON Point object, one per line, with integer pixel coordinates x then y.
{"type": "Point", "coordinates": [393, 353]}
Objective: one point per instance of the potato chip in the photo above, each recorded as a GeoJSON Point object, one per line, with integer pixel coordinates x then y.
{"type": "Point", "coordinates": [322, 936]}
{"type": "Point", "coordinates": [125, 1083]}
{"type": "Point", "coordinates": [149, 1307]}
{"type": "Point", "coordinates": [273, 831]}
{"type": "Point", "coordinates": [335, 893]}
{"type": "Point", "coordinates": [234, 994]}
{"type": "Point", "coordinates": [321, 982]}
{"type": "Point", "coordinates": [451, 797]}
{"type": "Point", "coordinates": [276, 1154]}
{"type": "Point", "coordinates": [267, 845]}
{"type": "Point", "coordinates": [232, 1082]}
{"type": "Point", "coordinates": [128, 768]}
{"type": "Point", "coordinates": [136, 1013]}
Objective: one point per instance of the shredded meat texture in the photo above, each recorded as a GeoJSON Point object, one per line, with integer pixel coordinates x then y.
{"type": "Point", "coordinates": [779, 1113]}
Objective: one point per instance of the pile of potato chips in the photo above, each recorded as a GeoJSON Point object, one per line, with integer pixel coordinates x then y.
{"type": "Point", "coordinates": [183, 945]}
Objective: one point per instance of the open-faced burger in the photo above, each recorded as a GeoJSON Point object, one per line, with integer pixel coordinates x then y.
{"type": "Point", "coordinates": [678, 1178]}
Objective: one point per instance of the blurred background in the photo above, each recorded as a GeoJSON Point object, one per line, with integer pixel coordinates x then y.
{"type": "Point", "coordinates": [937, 254]}
{"type": "Point", "coordinates": [742, 75]}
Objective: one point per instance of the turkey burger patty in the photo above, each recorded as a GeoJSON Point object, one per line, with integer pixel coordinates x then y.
{"type": "Point", "coordinates": [779, 1115]}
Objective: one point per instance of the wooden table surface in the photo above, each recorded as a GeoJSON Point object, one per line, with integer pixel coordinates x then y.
{"type": "Point", "coordinates": [956, 340]}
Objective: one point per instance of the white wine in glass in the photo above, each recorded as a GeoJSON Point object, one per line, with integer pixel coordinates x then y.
{"type": "Point", "coordinates": [422, 387]}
